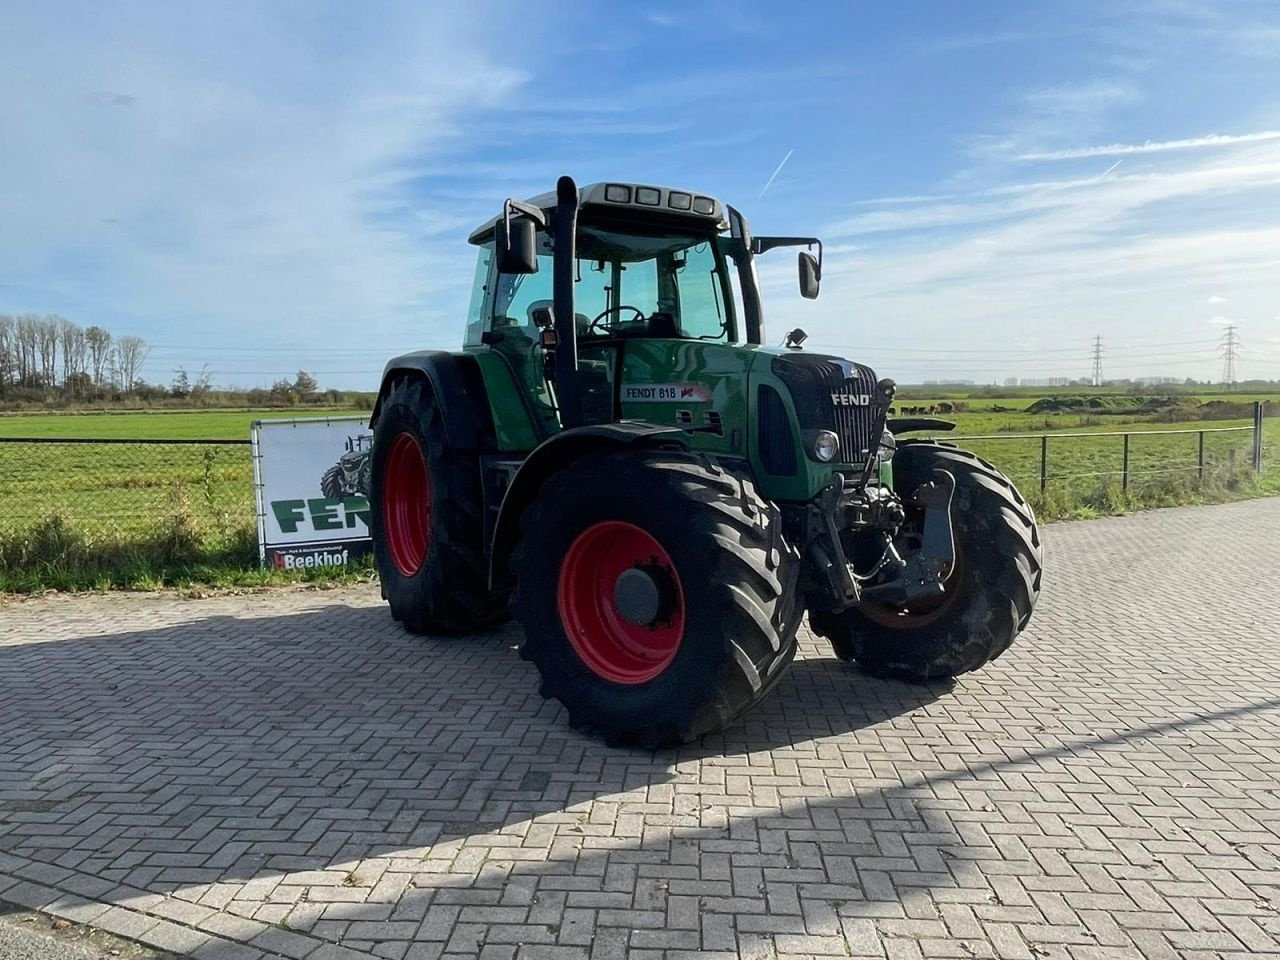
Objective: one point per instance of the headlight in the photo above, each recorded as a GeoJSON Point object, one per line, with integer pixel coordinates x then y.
{"type": "Point", "coordinates": [888, 447]}
{"type": "Point", "coordinates": [825, 446]}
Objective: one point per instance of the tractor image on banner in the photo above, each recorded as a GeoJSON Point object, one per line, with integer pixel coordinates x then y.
{"type": "Point", "coordinates": [617, 460]}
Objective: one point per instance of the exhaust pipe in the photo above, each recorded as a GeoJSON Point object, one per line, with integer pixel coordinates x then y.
{"type": "Point", "coordinates": [568, 391]}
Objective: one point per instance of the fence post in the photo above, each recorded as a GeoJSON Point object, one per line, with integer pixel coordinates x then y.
{"type": "Point", "coordinates": [1044, 461]}
{"type": "Point", "coordinates": [1257, 437]}
{"type": "Point", "coordinates": [1201, 456]}
{"type": "Point", "coordinates": [1124, 477]}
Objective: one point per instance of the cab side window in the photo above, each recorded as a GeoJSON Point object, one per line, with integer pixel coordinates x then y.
{"type": "Point", "coordinates": [479, 287]}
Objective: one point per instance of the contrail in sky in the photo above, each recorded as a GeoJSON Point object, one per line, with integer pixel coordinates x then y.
{"type": "Point", "coordinates": [1110, 168]}
{"type": "Point", "coordinates": [769, 183]}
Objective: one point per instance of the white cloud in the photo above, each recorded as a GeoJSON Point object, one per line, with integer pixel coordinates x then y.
{"type": "Point", "coordinates": [1046, 117]}
{"type": "Point", "coordinates": [1124, 149]}
{"type": "Point", "coordinates": [197, 182]}
{"type": "Point", "coordinates": [1121, 256]}
{"type": "Point", "coordinates": [1091, 198]}
{"type": "Point", "coordinates": [659, 19]}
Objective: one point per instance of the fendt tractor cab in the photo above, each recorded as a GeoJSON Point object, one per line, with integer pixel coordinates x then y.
{"type": "Point", "coordinates": [617, 459]}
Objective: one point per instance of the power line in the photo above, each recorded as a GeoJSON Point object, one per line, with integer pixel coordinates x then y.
{"type": "Point", "coordinates": [1097, 361]}
{"type": "Point", "coordinates": [1029, 352]}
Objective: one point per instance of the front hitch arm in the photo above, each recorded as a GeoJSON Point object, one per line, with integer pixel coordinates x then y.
{"type": "Point", "coordinates": [928, 567]}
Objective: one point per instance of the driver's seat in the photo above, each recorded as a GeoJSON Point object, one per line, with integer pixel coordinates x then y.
{"type": "Point", "coordinates": [662, 326]}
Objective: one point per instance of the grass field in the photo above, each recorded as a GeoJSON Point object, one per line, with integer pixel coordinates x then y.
{"type": "Point", "coordinates": [126, 515]}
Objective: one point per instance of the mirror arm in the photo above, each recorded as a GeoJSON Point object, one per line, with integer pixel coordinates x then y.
{"type": "Point", "coordinates": [761, 245]}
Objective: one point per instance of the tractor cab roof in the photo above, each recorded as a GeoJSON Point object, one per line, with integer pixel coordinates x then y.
{"type": "Point", "coordinates": [624, 203]}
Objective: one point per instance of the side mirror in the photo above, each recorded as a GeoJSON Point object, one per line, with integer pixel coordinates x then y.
{"type": "Point", "coordinates": [517, 246]}
{"type": "Point", "coordinates": [810, 276]}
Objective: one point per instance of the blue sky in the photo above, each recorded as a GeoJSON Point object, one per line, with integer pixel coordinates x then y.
{"type": "Point", "coordinates": [259, 186]}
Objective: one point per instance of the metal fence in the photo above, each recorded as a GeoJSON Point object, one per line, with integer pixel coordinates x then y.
{"type": "Point", "coordinates": [1128, 459]}
{"type": "Point", "coordinates": [126, 488]}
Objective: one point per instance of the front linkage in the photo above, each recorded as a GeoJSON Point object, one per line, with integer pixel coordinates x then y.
{"type": "Point", "coordinates": [856, 519]}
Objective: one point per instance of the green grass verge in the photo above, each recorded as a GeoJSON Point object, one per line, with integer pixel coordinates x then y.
{"type": "Point", "coordinates": [55, 554]}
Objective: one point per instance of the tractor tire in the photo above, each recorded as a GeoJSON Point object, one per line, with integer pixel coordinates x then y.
{"type": "Point", "coordinates": [723, 611]}
{"type": "Point", "coordinates": [991, 591]}
{"type": "Point", "coordinates": [331, 483]}
{"type": "Point", "coordinates": [426, 518]}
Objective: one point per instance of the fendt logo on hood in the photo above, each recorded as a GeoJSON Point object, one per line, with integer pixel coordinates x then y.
{"type": "Point", "coordinates": [850, 399]}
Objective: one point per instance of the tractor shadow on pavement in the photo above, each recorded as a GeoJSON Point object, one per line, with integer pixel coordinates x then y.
{"type": "Point", "coordinates": [213, 750]}
{"type": "Point", "coordinates": [376, 776]}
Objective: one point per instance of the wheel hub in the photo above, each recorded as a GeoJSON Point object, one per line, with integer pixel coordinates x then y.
{"type": "Point", "coordinates": [645, 595]}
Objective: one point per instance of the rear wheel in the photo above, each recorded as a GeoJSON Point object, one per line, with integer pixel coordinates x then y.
{"type": "Point", "coordinates": [426, 519]}
{"type": "Point", "coordinates": [657, 595]}
{"type": "Point", "coordinates": [990, 592]}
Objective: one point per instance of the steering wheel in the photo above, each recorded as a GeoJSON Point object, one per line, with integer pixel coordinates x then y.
{"type": "Point", "coordinates": [639, 314]}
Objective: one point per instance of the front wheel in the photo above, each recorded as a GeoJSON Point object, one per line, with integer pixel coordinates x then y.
{"type": "Point", "coordinates": [990, 592]}
{"type": "Point", "coordinates": [657, 595]}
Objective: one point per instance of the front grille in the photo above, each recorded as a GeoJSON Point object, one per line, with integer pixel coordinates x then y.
{"type": "Point", "coordinates": [814, 380]}
{"type": "Point", "coordinates": [777, 444]}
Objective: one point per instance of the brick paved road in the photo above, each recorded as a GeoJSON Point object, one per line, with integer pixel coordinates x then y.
{"type": "Point", "coordinates": [289, 774]}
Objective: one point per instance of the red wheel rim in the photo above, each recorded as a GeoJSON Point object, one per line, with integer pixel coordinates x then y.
{"type": "Point", "coordinates": [612, 647]}
{"type": "Point", "coordinates": [406, 504]}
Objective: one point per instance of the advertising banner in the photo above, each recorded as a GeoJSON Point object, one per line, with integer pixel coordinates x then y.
{"type": "Point", "coordinates": [312, 481]}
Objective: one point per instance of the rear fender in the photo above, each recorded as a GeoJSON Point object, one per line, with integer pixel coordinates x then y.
{"type": "Point", "coordinates": [458, 389]}
{"type": "Point", "coordinates": [554, 455]}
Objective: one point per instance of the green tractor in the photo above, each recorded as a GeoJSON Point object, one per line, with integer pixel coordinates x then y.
{"type": "Point", "coordinates": [617, 459]}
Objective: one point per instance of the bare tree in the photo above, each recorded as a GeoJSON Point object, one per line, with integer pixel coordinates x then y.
{"type": "Point", "coordinates": [47, 328]}
{"type": "Point", "coordinates": [71, 341]}
{"type": "Point", "coordinates": [204, 382]}
{"type": "Point", "coordinates": [27, 333]}
{"type": "Point", "coordinates": [98, 344]}
{"type": "Point", "coordinates": [8, 350]}
{"type": "Point", "coordinates": [131, 353]}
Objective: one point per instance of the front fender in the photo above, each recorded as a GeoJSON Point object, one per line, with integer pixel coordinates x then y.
{"type": "Point", "coordinates": [897, 425]}
{"type": "Point", "coordinates": [554, 455]}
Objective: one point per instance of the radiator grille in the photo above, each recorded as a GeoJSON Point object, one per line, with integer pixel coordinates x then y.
{"type": "Point", "coordinates": [818, 384]}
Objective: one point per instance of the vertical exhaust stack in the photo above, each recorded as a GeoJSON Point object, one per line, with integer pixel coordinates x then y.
{"type": "Point", "coordinates": [565, 255]}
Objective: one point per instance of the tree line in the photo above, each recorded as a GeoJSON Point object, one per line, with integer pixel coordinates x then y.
{"type": "Point", "coordinates": [47, 360]}
{"type": "Point", "coordinates": [39, 352]}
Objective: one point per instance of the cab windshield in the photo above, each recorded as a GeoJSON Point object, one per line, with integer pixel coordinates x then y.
{"type": "Point", "coordinates": [631, 285]}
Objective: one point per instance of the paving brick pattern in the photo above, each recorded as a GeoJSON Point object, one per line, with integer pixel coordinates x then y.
{"type": "Point", "coordinates": [290, 775]}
